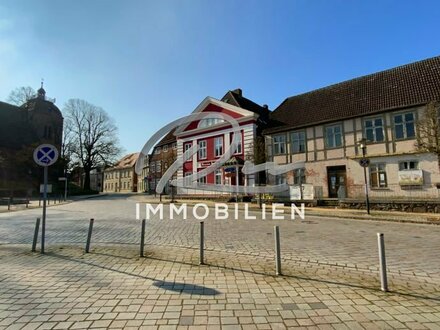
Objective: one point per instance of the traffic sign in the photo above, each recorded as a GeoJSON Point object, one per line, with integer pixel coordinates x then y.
{"type": "Point", "coordinates": [45, 155]}
{"type": "Point", "coordinates": [364, 162]}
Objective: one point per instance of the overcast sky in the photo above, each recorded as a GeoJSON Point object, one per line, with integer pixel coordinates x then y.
{"type": "Point", "coordinates": [149, 62]}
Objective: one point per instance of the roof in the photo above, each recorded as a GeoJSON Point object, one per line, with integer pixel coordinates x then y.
{"type": "Point", "coordinates": [15, 130]}
{"type": "Point", "coordinates": [235, 97]}
{"type": "Point", "coordinates": [404, 86]}
{"type": "Point", "coordinates": [126, 161]}
{"type": "Point", "coordinates": [167, 139]}
{"type": "Point", "coordinates": [41, 104]}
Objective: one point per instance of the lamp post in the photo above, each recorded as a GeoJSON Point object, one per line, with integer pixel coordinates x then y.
{"type": "Point", "coordinates": [364, 163]}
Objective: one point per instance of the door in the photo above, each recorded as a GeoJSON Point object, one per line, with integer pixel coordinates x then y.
{"type": "Point", "coordinates": [336, 181]}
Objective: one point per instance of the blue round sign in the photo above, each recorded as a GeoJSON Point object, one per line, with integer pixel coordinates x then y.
{"type": "Point", "coordinates": [45, 155]}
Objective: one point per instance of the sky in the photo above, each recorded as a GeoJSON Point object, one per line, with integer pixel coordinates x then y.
{"type": "Point", "coordinates": [150, 62]}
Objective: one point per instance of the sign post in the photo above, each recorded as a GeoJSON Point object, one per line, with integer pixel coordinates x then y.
{"type": "Point", "coordinates": [45, 155]}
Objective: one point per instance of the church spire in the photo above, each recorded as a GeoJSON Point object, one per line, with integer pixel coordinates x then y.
{"type": "Point", "coordinates": [41, 91]}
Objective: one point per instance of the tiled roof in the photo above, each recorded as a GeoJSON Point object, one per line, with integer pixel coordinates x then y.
{"type": "Point", "coordinates": [408, 85]}
{"type": "Point", "coordinates": [126, 161]}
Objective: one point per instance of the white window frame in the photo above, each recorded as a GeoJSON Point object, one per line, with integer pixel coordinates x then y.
{"type": "Point", "coordinates": [218, 174]}
{"type": "Point", "coordinates": [202, 149]}
{"type": "Point", "coordinates": [279, 144]}
{"type": "Point", "coordinates": [408, 165]}
{"type": "Point", "coordinates": [218, 146]}
{"type": "Point", "coordinates": [374, 129]}
{"type": "Point", "coordinates": [239, 149]}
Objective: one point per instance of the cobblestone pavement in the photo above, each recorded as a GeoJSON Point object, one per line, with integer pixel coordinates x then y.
{"type": "Point", "coordinates": [330, 269]}
{"type": "Point", "coordinates": [113, 288]}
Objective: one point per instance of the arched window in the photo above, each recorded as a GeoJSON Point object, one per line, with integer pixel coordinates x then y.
{"type": "Point", "coordinates": [209, 122]}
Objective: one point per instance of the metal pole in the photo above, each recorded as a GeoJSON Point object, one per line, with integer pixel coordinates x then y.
{"type": "Point", "coordinates": [276, 230]}
{"type": "Point", "coordinates": [37, 228]}
{"type": "Point", "coordinates": [202, 243]}
{"type": "Point", "coordinates": [43, 226]}
{"type": "Point", "coordinates": [9, 203]}
{"type": "Point", "coordinates": [65, 189]}
{"type": "Point", "coordinates": [142, 238]}
{"type": "Point", "coordinates": [382, 263]}
{"type": "Point", "coordinates": [367, 200]}
{"type": "Point", "coordinates": [89, 235]}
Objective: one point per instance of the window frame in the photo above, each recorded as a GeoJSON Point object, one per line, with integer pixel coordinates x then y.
{"type": "Point", "coordinates": [279, 144]}
{"type": "Point", "coordinates": [377, 172]}
{"type": "Point", "coordinates": [326, 141]}
{"type": "Point", "coordinates": [204, 149]}
{"type": "Point", "coordinates": [408, 162]}
{"type": "Point", "coordinates": [218, 146]}
{"type": "Point", "coordinates": [239, 149]}
{"type": "Point", "coordinates": [292, 142]}
{"type": "Point", "coordinates": [218, 173]}
{"type": "Point", "coordinates": [404, 124]}
{"type": "Point", "coordinates": [374, 127]}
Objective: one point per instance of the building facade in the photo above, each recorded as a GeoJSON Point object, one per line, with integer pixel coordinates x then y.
{"type": "Point", "coordinates": [214, 136]}
{"type": "Point", "coordinates": [22, 128]}
{"type": "Point", "coordinates": [122, 177]}
{"type": "Point", "coordinates": [382, 112]}
{"type": "Point", "coordinates": [163, 155]}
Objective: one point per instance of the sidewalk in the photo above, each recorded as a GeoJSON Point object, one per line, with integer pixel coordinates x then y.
{"type": "Point", "coordinates": [421, 218]}
{"type": "Point", "coordinates": [34, 203]}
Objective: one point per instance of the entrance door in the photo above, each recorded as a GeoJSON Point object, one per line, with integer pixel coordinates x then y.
{"type": "Point", "coordinates": [336, 181]}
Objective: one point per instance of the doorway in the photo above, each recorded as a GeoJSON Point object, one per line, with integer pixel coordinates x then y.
{"type": "Point", "coordinates": [336, 176]}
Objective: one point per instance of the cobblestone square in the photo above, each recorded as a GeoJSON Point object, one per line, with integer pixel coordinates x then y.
{"type": "Point", "coordinates": [329, 281]}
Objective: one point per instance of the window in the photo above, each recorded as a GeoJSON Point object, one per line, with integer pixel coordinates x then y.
{"type": "Point", "coordinates": [409, 165]}
{"type": "Point", "coordinates": [186, 146]}
{"type": "Point", "coordinates": [174, 145]}
{"type": "Point", "coordinates": [404, 126]}
{"type": "Point", "coordinates": [333, 136]}
{"type": "Point", "coordinates": [165, 148]}
{"type": "Point", "coordinates": [209, 122]}
{"type": "Point", "coordinates": [279, 144]}
{"type": "Point", "coordinates": [202, 180]}
{"type": "Point", "coordinates": [280, 179]}
{"type": "Point", "coordinates": [298, 140]}
{"type": "Point", "coordinates": [218, 176]}
{"type": "Point", "coordinates": [378, 176]}
{"type": "Point", "coordinates": [157, 151]}
{"type": "Point", "coordinates": [218, 146]}
{"type": "Point", "coordinates": [299, 176]}
{"type": "Point", "coordinates": [158, 166]}
{"type": "Point", "coordinates": [239, 149]}
{"type": "Point", "coordinates": [374, 130]}
{"type": "Point", "coordinates": [152, 167]}
{"type": "Point", "coordinates": [202, 149]}
{"type": "Point", "coordinates": [186, 181]}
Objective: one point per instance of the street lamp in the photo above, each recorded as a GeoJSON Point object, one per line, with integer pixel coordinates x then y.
{"type": "Point", "coordinates": [364, 163]}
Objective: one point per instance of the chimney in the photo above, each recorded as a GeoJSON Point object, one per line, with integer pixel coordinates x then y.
{"type": "Point", "coordinates": [238, 91]}
{"type": "Point", "coordinates": [265, 106]}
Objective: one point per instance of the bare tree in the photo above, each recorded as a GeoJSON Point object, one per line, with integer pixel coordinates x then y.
{"type": "Point", "coordinates": [428, 130]}
{"type": "Point", "coordinates": [91, 136]}
{"type": "Point", "coordinates": [21, 95]}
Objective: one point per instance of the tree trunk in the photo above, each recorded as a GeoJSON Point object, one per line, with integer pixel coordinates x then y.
{"type": "Point", "coordinates": [86, 179]}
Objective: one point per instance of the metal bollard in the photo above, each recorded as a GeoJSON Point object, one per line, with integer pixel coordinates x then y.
{"type": "Point", "coordinates": [382, 262]}
{"type": "Point", "coordinates": [142, 238]}
{"type": "Point", "coordinates": [89, 235]}
{"type": "Point", "coordinates": [9, 203]}
{"type": "Point", "coordinates": [39, 202]}
{"type": "Point", "coordinates": [202, 243]}
{"type": "Point", "coordinates": [276, 231]}
{"type": "Point", "coordinates": [37, 228]}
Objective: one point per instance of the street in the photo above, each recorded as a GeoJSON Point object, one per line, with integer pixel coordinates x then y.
{"type": "Point", "coordinates": [329, 266]}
